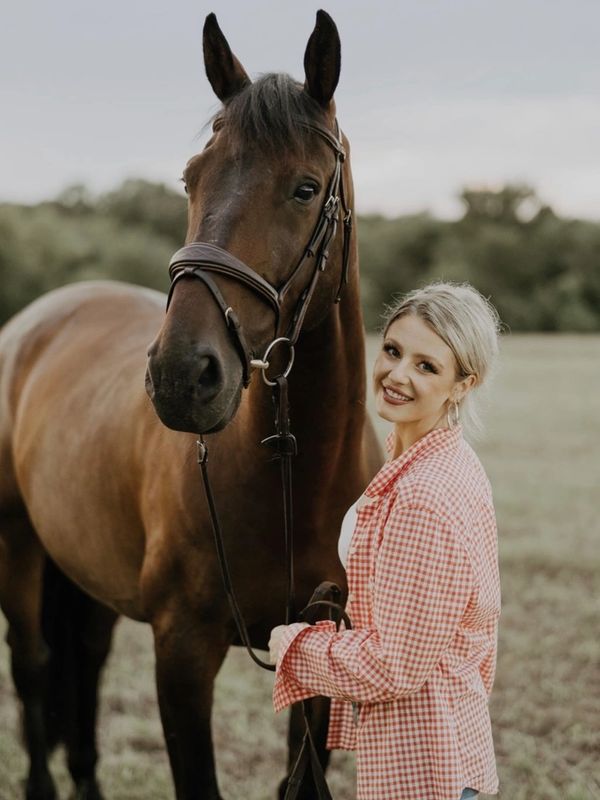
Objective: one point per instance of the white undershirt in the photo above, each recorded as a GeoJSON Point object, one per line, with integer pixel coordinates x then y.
{"type": "Point", "coordinates": [346, 531]}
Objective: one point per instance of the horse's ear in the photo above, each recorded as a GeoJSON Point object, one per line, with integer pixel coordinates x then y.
{"type": "Point", "coordinates": [224, 72]}
{"type": "Point", "coordinates": [322, 60]}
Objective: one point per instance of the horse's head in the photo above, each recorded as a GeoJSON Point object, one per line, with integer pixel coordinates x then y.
{"type": "Point", "coordinates": [259, 227]}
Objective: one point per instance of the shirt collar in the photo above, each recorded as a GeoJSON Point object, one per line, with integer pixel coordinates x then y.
{"type": "Point", "coordinates": [438, 439]}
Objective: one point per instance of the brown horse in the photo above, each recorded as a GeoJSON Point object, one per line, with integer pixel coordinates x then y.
{"type": "Point", "coordinates": [101, 508]}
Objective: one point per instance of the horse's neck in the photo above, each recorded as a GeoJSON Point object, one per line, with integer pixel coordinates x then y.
{"type": "Point", "coordinates": [327, 417]}
{"type": "Point", "coordinates": [327, 389]}
{"type": "Point", "coordinates": [326, 392]}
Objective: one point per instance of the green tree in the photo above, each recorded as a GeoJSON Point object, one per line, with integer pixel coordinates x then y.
{"type": "Point", "coordinates": [148, 205]}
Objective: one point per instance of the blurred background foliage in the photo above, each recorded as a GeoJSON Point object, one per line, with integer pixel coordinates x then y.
{"type": "Point", "coordinates": [541, 271]}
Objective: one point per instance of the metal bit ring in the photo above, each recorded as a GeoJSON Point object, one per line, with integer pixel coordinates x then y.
{"type": "Point", "coordinates": [263, 364]}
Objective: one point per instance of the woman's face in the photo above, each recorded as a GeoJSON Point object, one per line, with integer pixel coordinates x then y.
{"type": "Point", "coordinates": [415, 375]}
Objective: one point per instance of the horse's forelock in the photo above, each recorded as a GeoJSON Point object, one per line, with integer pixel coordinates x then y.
{"type": "Point", "coordinates": [269, 114]}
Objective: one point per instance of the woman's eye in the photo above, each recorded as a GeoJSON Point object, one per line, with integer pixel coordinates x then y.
{"type": "Point", "coordinates": [305, 193]}
{"type": "Point", "coordinates": [426, 366]}
{"type": "Point", "coordinates": [391, 350]}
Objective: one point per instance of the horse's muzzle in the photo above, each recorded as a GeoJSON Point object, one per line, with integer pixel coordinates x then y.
{"type": "Point", "coordinates": [191, 393]}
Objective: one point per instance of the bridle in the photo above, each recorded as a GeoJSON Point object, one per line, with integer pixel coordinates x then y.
{"type": "Point", "coordinates": [200, 259]}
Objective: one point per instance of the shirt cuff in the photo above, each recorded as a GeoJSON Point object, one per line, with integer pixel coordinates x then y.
{"type": "Point", "coordinates": [287, 690]}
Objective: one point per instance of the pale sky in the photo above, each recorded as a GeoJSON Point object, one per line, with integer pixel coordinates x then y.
{"type": "Point", "coordinates": [434, 94]}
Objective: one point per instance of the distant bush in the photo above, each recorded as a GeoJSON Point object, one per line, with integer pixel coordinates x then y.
{"type": "Point", "coordinates": [541, 271]}
{"type": "Point", "coordinates": [75, 238]}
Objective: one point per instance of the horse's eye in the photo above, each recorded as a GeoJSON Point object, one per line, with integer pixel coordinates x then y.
{"type": "Point", "coordinates": [305, 193]}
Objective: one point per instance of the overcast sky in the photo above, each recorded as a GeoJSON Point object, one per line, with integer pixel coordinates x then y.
{"type": "Point", "coordinates": [434, 94]}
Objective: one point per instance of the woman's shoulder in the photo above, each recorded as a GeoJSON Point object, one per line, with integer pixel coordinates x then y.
{"type": "Point", "coordinates": [450, 482]}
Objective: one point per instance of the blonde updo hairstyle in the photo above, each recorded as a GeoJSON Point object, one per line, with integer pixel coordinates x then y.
{"type": "Point", "coordinates": [469, 324]}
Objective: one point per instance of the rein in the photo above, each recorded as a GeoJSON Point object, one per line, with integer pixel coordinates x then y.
{"type": "Point", "coordinates": [200, 259]}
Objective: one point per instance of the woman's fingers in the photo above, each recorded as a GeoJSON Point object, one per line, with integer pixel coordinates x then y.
{"type": "Point", "coordinates": [275, 642]}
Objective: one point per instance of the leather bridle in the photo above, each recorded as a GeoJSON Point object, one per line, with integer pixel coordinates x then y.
{"type": "Point", "coordinates": [200, 259]}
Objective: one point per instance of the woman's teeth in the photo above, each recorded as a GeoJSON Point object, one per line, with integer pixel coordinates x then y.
{"type": "Point", "coordinates": [395, 395]}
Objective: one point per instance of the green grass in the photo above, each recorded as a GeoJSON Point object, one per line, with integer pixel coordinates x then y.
{"type": "Point", "coordinates": [541, 453]}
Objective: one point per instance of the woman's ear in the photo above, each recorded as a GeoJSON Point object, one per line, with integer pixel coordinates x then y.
{"type": "Point", "coordinates": [462, 388]}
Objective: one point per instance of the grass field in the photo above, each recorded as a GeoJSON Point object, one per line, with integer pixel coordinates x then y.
{"type": "Point", "coordinates": [542, 456]}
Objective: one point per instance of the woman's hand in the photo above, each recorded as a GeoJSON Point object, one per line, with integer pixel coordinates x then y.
{"type": "Point", "coordinates": [275, 641]}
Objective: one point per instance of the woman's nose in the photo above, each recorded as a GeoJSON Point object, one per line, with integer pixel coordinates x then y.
{"type": "Point", "coordinates": [399, 373]}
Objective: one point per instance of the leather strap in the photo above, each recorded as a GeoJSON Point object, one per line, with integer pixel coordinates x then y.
{"type": "Point", "coordinates": [308, 755]}
{"type": "Point", "coordinates": [231, 320]}
{"type": "Point", "coordinates": [212, 258]}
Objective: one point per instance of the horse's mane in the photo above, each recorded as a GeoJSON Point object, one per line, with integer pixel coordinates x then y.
{"type": "Point", "coordinates": [269, 113]}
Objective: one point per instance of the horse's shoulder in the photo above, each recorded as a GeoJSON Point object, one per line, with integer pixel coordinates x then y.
{"type": "Point", "coordinates": [90, 317]}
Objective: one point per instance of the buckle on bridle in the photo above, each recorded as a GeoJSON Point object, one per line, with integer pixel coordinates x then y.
{"type": "Point", "coordinates": [331, 205]}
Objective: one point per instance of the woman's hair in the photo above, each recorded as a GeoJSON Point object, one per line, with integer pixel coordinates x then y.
{"type": "Point", "coordinates": [469, 324]}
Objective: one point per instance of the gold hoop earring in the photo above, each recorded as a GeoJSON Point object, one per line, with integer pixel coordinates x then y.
{"type": "Point", "coordinates": [454, 418]}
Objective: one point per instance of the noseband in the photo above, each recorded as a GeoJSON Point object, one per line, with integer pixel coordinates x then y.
{"type": "Point", "coordinates": [199, 259]}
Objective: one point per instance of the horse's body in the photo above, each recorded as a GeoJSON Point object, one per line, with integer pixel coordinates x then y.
{"type": "Point", "coordinates": [91, 477]}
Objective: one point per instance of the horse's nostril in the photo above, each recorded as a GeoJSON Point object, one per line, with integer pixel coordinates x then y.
{"type": "Point", "coordinates": [152, 348]}
{"type": "Point", "coordinates": [203, 366]}
{"type": "Point", "coordinates": [209, 373]}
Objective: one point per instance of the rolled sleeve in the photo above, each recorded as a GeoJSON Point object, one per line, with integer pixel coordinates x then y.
{"type": "Point", "coordinates": [288, 687]}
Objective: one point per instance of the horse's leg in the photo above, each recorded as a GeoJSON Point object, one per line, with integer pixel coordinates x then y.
{"type": "Point", "coordinates": [189, 653]}
{"type": "Point", "coordinates": [91, 634]}
{"type": "Point", "coordinates": [21, 576]}
{"type": "Point", "coordinates": [318, 715]}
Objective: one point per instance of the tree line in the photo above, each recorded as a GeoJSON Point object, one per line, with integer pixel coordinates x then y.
{"type": "Point", "coordinates": [540, 270]}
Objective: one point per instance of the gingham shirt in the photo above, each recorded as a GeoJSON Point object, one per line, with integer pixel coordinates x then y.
{"type": "Point", "coordinates": [424, 599]}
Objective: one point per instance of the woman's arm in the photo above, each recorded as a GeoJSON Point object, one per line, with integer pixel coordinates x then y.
{"type": "Point", "coordinates": [423, 582]}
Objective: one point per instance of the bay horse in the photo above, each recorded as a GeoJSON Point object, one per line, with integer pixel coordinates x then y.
{"type": "Point", "coordinates": [101, 509]}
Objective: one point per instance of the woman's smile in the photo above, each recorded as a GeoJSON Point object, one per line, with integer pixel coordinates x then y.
{"type": "Point", "coordinates": [395, 396]}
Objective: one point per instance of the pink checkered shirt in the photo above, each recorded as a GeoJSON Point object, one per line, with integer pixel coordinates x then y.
{"type": "Point", "coordinates": [424, 599]}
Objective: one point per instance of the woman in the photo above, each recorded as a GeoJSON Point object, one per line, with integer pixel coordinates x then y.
{"type": "Point", "coordinates": [410, 683]}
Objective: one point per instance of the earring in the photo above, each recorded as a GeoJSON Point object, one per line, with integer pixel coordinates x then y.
{"type": "Point", "coordinates": [454, 418]}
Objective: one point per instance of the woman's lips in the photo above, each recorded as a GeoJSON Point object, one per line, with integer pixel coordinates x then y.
{"type": "Point", "coordinates": [394, 397]}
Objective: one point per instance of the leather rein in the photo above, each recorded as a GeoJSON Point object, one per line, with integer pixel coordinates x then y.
{"type": "Point", "coordinates": [200, 260]}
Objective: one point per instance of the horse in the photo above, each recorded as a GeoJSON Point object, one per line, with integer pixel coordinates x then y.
{"type": "Point", "coordinates": [101, 509]}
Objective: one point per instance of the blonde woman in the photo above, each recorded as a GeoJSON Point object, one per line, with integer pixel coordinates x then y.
{"type": "Point", "coordinates": [410, 683]}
